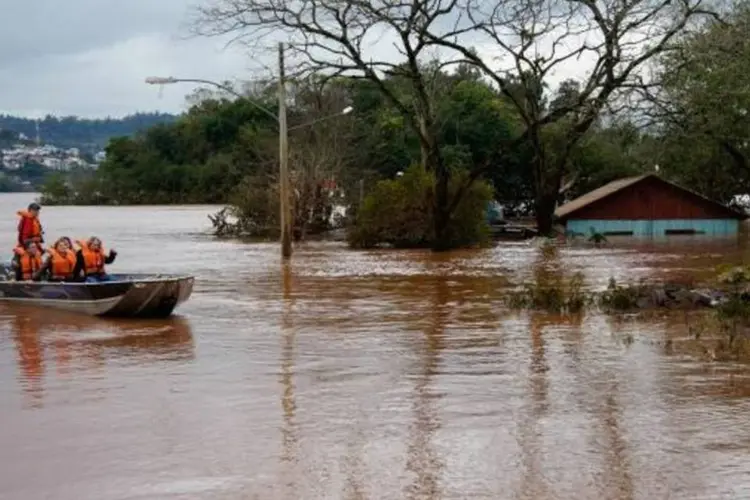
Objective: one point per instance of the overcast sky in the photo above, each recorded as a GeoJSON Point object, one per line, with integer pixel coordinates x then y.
{"type": "Point", "coordinates": [90, 57]}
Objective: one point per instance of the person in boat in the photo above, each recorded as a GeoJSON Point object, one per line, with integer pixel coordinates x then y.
{"type": "Point", "coordinates": [90, 260]}
{"type": "Point", "coordinates": [29, 226]}
{"type": "Point", "coordinates": [27, 260]}
{"type": "Point", "coordinates": [60, 262]}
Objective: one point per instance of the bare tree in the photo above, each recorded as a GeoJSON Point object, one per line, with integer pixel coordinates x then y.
{"type": "Point", "coordinates": [521, 44]}
{"type": "Point", "coordinates": [349, 38]}
{"type": "Point", "coordinates": [319, 156]}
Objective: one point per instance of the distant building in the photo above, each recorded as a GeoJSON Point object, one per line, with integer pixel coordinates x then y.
{"type": "Point", "coordinates": [647, 206]}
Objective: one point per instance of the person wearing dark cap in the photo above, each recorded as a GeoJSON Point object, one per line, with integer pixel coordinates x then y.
{"type": "Point", "coordinates": [29, 226]}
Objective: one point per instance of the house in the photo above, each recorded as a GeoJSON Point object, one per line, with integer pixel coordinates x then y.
{"type": "Point", "coordinates": [647, 206]}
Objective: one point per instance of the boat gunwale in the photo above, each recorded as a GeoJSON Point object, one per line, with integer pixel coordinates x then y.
{"type": "Point", "coordinates": [104, 283]}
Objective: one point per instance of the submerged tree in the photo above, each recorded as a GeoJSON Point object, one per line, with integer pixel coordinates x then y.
{"type": "Point", "coordinates": [341, 37]}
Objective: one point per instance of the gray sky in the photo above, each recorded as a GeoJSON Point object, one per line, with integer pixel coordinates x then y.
{"type": "Point", "coordinates": [90, 57]}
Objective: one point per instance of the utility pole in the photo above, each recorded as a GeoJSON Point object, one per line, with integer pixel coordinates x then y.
{"type": "Point", "coordinates": [285, 215]}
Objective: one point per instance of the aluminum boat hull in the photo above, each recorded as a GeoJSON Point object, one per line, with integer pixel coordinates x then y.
{"type": "Point", "coordinates": [127, 295]}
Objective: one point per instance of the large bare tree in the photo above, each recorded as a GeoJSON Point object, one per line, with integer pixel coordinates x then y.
{"type": "Point", "coordinates": [604, 45]}
{"type": "Point", "coordinates": [321, 150]}
{"type": "Point", "coordinates": [353, 38]}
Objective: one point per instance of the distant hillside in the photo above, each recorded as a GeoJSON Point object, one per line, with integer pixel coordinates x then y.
{"type": "Point", "coordinates": [8, 138]}
{"type": "Point", "coordinates": [82, 133]}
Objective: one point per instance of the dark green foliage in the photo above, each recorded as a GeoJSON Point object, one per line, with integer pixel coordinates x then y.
{"type": "Point", "coordinates": [397, 213]}
{"type": "Point", "coordinates": [200, 158]}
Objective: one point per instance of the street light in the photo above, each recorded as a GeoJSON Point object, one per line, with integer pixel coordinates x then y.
{"type": "Point", "coordinates": [284, 189]}
{"type": "Point", "coordinates": [168, 80]}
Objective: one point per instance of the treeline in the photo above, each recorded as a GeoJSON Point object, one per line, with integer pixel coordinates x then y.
{"type": "Point", "coordinates": [86, 134]}
{"type": "Point", "coordinates": [676, 102]}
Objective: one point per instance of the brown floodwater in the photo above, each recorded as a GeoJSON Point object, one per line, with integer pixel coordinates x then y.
{"type": "Point", "coordinates": [363, 375]}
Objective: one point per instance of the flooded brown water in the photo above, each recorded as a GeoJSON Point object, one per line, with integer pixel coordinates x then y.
{"type": "Point", "coordinates": [361, 375]}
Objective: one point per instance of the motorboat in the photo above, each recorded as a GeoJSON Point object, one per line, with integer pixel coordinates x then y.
{"type": "Point", "coordinates": [125, 295]}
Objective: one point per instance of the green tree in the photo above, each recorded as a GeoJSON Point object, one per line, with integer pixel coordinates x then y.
{"type": "Point", "coordinates": [56, 190]}
{"type": "Point", "coordinates": [702, 108]}
{"type": "Point", "coordinates": [397, 213]}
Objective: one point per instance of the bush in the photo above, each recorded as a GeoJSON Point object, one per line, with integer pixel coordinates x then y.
{"type": "Point", "coordinates": [78, 187]}
{"type": "Point", "coordinates": [399, 213]}
{"type": "Point", "coordinates": [622, 298]}
{"type": "Point", "coordinates": [556, 296]}
{"type": "Point", "coordinates": [253, 210]}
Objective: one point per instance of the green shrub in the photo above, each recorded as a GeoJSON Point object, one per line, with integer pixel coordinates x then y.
{"type": "Point", "coordinates": [255, 205]}
{"type": "Point", "coordinates": [555, 296]}
{"type": "Point", "coordinates": [621, 298]}
{"type": "Point", "coordinates": [399, 213]}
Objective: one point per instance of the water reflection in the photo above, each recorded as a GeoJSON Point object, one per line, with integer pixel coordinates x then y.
{"type": "Point", "coordinates": [289, 431]}
{"type": "Point", "coordinates": [531, 443]}
{"type": "Point", "coordinates": [30, 359]}
{"type": "Point", "coordinates": [616, 451]}
{"type": "Point", "coordinates": [547, 272]}
{"type": "Point", "coordinates": [422, 459]}
{"type": "Point", "coordinates": [76, 342]}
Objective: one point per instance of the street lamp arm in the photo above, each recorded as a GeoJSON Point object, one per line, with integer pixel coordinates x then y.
{"type": "Point", "coordinates": [169, 80]}
{"type": "Point", "coordinates": [345, 111]}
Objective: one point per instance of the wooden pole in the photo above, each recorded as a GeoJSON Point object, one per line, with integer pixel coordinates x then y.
{"type": "Point", "coordinates": [285, 218]}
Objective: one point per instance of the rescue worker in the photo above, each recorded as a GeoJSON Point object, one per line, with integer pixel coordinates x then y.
{"type": "Point", "coordinates": [27, 260]}
{"type": "Point", "coordinates": [29, 226]}
{"type": "Point", "coordinates": [90, 260]}
{"type": "Point", "coordinates": [60, 263]}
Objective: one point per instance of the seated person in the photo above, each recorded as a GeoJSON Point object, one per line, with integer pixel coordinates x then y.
{"type": "Point", "coordinates": [90, 260]}
{"type": "Point", "coordinates": [60, 263]}
{"type": "Point", "coordinates": [27, 260]}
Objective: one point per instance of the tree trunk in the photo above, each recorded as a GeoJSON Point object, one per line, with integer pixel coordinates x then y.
{"type": "Point", "coordinates": [547, 194]}
{"type": "Point", "coordinates": [441, 214]}
{"type": "Point", "coordinates": [545, 212]}
{"type": "Point", "coordinates": [432, 161]}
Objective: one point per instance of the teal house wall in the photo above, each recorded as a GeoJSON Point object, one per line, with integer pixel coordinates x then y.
{"type": "Point", "coordinates": [647, 206]}
{"type": "Point", "coordinates": [654, 228]}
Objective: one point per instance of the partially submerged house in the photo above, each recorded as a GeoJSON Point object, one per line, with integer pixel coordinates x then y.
{"type": "Point", "coordinates": [647, 206]}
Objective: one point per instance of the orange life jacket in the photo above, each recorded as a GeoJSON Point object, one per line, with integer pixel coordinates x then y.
{"type": "Point", "coordinates": [62, 265]}
{"type": "Point", "coordinates": [29, 263]}
{"type": "Point", "coordinates": [93, 260]}
{"type": "Point", "coordinates": [36, 226]}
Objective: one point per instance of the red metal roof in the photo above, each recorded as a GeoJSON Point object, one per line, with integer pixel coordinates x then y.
{"type": "Point", "coordinates": [566, 210]}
